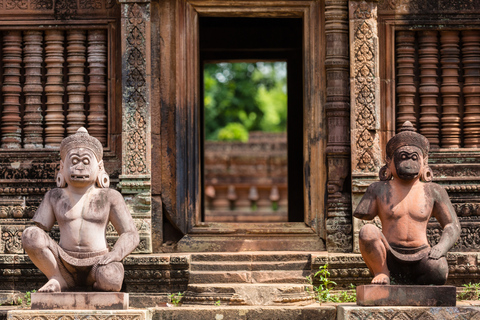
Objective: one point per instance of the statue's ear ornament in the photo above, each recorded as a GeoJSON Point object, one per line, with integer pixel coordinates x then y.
{"type": "Point", "coordinates": [103, 180]}
{"type": "Point", "coordinates": [385, 174]}
{"type": "Point", "coordinates": [61, 180]}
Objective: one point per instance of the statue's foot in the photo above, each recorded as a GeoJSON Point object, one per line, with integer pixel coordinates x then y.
{"type": "Point", "coordinates": [381, 278]}
{"type": "Point", "coordinates": [53, 285]}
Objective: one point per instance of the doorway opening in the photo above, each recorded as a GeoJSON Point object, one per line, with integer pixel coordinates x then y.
{"type": "Point", "coordinates": [252, 119]}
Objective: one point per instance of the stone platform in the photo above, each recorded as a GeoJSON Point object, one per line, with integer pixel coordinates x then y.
{"type": "Point", "coordinates": [406, 295]}
{"type": "Point", "coordinates": [79, 314]}
{"type": "Point", "coordinates": [80, 301]}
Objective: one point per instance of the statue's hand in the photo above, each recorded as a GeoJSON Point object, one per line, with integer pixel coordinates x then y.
{"type": "Point", "coordinates": [112, 256]}
{"type": "Point", "coordinates": [436, 253]}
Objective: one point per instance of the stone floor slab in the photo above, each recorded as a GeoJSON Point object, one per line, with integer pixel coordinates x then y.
{"type": "Point", "coordinates": [407, 313]}
{"type": "Point", "coordinates": [80, 301]}
{"type": "Point", "coordinates": [79, 314]}
{"type": "Point", "coordinates": [314, 312]}
{"type": "Point", "coordinates": [406, 295]}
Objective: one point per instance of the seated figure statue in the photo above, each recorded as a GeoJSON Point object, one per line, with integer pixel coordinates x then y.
{"type": "Point", "coordinates": [404, 205]}
{"type": "Point", "coordinates": [83, 205]}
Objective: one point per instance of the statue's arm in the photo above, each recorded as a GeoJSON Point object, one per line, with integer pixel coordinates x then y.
{"type": "Point", "coordinates": [121, 219]}
{"type": "Point", "coordinates": [367, 208]}
{"type": "Point", "coordinates": [445, 214]}
{"type": "Point", "coordinates": [44, 217]}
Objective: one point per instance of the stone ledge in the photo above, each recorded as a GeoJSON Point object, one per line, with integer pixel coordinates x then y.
{"type": "Point", "coordinates": [411, 313]}
{"type": "Point", "coordinates": [78, 314]}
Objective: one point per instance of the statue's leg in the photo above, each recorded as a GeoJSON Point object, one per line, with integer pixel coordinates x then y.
{"type": "Point", "coordinates": [108, 277]}
{"type": "Point", "coordinates": [431, 271]}
{"type": "Point", "coordinates": [373, 247]}
{"type": "Point", "coordinates": [36, 244]}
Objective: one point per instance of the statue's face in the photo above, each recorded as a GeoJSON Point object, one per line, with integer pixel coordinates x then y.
{"type": "Point", "coordinates": [408, 162]}
{"type": "Point", "coordinates": [80, 167]}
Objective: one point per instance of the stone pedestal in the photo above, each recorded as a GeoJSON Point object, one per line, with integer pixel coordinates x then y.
{"type": "Point", "coordinates": [80, 301]}
{"type": "Point", "coordinates": [382, 295]}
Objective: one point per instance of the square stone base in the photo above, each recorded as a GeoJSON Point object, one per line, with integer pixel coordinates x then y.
{"type": "Point", "coordinates": [393, 295]}
{"type": "Point", "coordinates": [80, 301]}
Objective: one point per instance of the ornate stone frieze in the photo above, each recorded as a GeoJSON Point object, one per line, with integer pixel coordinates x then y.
{"type": "Point", "coordinates": [14, 170]}
{"type": "Point", "coordinates": [80, 314]}
{"type": "Point", "coordinates": [12, 239]}
{"type": "Point", "coordinates": [429, 6]}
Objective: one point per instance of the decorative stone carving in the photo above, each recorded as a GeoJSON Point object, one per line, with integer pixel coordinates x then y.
{"type": "Point", "coordinates": [33, 89]}
{"type": "Point", "coordinates": [76, 59]}
{"type": "Point", "coordinates": [12, 59]}
{"type": "Point", "coordinates": [12, 239]}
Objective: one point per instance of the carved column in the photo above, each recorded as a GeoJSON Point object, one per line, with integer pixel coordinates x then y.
{"type": "Point", "coordinates": [54, 90]}
{"type": "Point", "coordinates": [405, 51]}
{"type": "Point", "coordinates": [450, 89]}
{"type": "Point", "coordinates": [12, 59]}
{"type": "Point", "coordinates": [471, 67]}
{"type": "Point", "coordinates": [136, 144]}
{"type": "Point", "coordinates": [364, 100]}
{"type": "Point", "coordinates": [76, 59]}
{"type": "Point", "coordinates": [33, 89]}
{"type": "Point", "coordinates": [428, 60]}
{"type": "Point", "coordinates": [339, 221]}
{"type": "Point", "coordinates": [97, 86]}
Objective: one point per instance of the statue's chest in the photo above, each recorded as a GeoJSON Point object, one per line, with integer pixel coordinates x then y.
{"type": "Point", "coordinates": [413, 205]}
{"type": "Point", "coordinates": [90, 209]}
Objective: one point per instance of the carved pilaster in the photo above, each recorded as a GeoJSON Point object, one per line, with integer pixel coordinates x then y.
{"type": "Point", "coordinates": [136, 154]}
{"type": "Point", "coordinates": [471, 67]}
{"type": "Point", "coordinates": [76, 80]}
{"type": "Point", "coordinates": [339, 223]}
{"type": "Point", "coordinates": [405, 51]}
{"type": "Point", "coordinates": [32, 118]}
{"type": "Point", "coordinates": [364, 100]}
{"type": "Point", "coordinates": [450, 88]}
{"type": "Point", "coordinates": [428, 60]}
{"type": "Point", "coordinates": [12, 59]}
{"type": "Point", "coordinates": [97, 88]}
{"type": "Point", "coordinates": [54, 88]}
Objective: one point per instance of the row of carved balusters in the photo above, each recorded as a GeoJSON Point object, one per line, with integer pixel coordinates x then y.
{"type": "Point", "coordinates": [48, 78]}
{"type": "Point", "coordinates": [438, 85]}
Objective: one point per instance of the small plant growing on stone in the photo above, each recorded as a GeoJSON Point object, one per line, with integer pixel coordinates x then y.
{"type": "Point", "coordinates": [28, 297]}
{"type": "Point", "coordinates": [324, 293]}
{"type": "Point", "coordinates": [176, 298]}
{"type": "Point", "coordinates": [218, 303]}
{"type": "Point", "coordinates": [471, 291]}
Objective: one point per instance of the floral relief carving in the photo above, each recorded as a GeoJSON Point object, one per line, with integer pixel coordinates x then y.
{"type": "Point", "coordinates": [42, 4]}
{"type": "Point", "coordinates": [12, 239]}
{"type": "Point", "coordinates": [90, 4]}
{"type": "Point", "coordinates": [136, 89]}
{"type": "Point", "coordinates": [364, 82]}
{"type": "Point", "coordinates": [16, 4]}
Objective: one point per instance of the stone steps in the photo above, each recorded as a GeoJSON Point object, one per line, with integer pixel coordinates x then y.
{"type": "Point", "coordinates": [250, 278]}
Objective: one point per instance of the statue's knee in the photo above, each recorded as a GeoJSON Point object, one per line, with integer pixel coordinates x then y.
{"type": "Point", "coordinates": [109, 277]}
{"type": "Point", "coordinates": [369, 233]}
{"type": "Point", "coordinates": [33, 238]}
{"type": "Point", "coordinates": [434, 271]}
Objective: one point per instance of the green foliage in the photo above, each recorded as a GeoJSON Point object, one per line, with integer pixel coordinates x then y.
{"type": "Point", "coordinates": [176, 298]}
{"type": "Point", "coordinates": [28, 297]}
{"type": "Point", "coordinates": [218, 303]}
{"type": "Point", "coordinates": [324, 292]}
{"type": "Point", "coordinates": [471, 291]}
{"type": "Point", "coordinates": [244, 97]}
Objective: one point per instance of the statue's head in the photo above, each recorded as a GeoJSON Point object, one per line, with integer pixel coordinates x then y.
{"type": "Point", "coordinates": [407, 156]}
{"type": "Point", "coordinates": [81, 161]}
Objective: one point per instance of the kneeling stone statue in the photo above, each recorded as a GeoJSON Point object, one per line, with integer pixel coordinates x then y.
{"type": "Point", "coordinates": [83, 205]}
{"type": "Point", "coordinates": [404, 200]}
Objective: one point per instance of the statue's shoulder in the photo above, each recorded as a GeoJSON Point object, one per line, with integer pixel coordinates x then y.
{"type": "Point", "coordinates": [110, 193]}
{"type": "Point", "coordinates": [437, 191]}
{"type": "Point", "coordinates": [55, 194]}
{"type": "Point", "coordinates": [379, 186]}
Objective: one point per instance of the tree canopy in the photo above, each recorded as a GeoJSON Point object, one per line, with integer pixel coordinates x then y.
{"type": "Point", "coordinates": [244, 97]}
